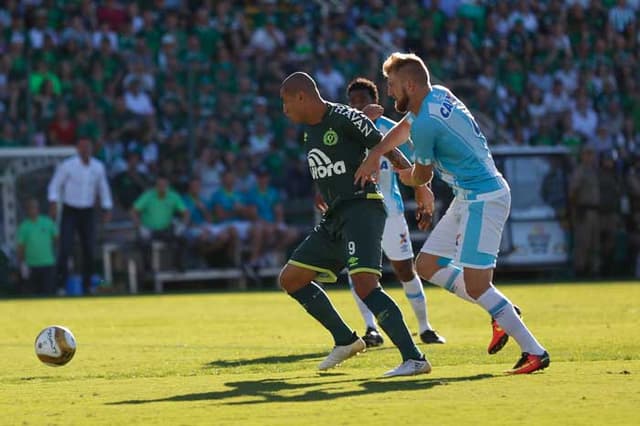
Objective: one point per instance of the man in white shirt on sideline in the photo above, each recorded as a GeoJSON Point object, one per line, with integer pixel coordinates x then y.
{"type": "Point", "coordinates": [75, 184]}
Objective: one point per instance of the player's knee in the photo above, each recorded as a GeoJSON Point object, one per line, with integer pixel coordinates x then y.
{"type": "Point", "coordinates": [285, 279]}
{"type": "Point", "coordinates": [427, 265]}
{"type": "Point", "coordinates": [291, 279]}
{"type": "Point", "coordinates": [364, 283]}
{"type": "Point", "coordinates": [477, 281]}
{"type": "Point", "coordinates": [404, 269]}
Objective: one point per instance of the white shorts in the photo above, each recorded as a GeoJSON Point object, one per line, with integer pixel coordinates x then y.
{"type": "Point", "coordinates": [212, 230]}
{"type": "Point", "coordinates": [243, 228]}
{"type": "Point", "coordinates": [396, 241]}
{"type": "Point", "coordinates": [470, 231]}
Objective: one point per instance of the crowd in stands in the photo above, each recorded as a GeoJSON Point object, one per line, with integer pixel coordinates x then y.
{"type": "Point", "coordinates": [188, 90]}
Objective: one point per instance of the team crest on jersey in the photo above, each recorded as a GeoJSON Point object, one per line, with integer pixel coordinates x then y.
{"type": "Point", "coordinates": [330, 137]}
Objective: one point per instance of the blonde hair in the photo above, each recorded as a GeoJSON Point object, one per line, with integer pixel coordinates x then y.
{"type": "Point", "coordinates": [409, 63]}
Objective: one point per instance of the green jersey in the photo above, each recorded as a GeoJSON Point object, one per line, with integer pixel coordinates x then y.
{"type": "Point", "coordinates": [335, 149]}
{"type": "Point", "coordinates": [37, 237]}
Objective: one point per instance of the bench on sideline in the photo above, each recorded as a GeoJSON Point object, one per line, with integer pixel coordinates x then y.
{"type": "Point", "coordinates": [234, 274]}
{"type": "Point", "coordinates": [160, 277]}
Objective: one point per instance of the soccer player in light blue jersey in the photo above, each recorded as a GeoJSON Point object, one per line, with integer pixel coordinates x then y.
{"type": "Point", "coordinates": [396, 241]}
{"type": "Point", "coordinates": [448, 140]}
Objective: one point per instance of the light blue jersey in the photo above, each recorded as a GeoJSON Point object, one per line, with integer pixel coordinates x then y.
{"type": "Point", "coordinates": [387, 179]}
{"type": "Point", "coordinates": [446, 135]}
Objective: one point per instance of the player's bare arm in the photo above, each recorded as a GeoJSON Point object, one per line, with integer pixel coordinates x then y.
{"type": "Point", "coordinates": [398, 159]}
{"type": "Point", "coordinates": [319, 203]}
{"type": "Point", "coordinates": [395, 137]}
{"type": "Point", "coordinates": [417, 175]}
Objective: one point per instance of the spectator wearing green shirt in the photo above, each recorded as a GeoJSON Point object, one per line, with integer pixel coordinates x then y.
{"type": "Point", "coordinates": [37, 236]}
{"type": "Point", "coordinates": [153, 214]}
{"type": "Point", "coordinates": [8, 137]}
{"type": "Point", "coordinates": [40, 76]}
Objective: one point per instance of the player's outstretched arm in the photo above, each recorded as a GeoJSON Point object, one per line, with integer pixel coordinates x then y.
{"type": "Point", "coordinates": [395, 137]}
{"type": "Point", "coordinates": [398, 159]}
{"type": "Point", "coordinates": [425, 205]}
{"type": "Point", "coordinates": [417, 175]}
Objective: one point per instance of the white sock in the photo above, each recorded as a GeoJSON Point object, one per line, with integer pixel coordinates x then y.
{"type": "Point", "coordinates": [415, 295]}
{"type": "Point", "coordinates": [451, 279]}
{"type": "Point", "coordinates": [367, 315]}
{"type": "Point", "coordinates": [501, 308]}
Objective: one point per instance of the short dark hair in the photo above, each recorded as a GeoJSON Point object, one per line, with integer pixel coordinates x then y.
{"type": "Point", "coordinates": [361, 83]}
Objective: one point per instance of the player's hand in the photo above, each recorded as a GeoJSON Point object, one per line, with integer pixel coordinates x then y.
{"type": "Point", "coordinates": [373, 111]}
{"type": "Point", "coordinates": [320, 203]}
{"type": "Point", "coordinates": [425, 205]}
{"type": "Point", "coordinates": [368, 170]}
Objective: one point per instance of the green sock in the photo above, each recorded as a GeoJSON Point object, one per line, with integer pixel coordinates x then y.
{"type": "Point", "coordinates": [390, 320]}
{"type": "Point", "coordinates": [317, 303]}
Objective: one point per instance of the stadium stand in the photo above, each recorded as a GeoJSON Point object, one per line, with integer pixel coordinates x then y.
{"type": "Point", "coordinates": [190, 88]}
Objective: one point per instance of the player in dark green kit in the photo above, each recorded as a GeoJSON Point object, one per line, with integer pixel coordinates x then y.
{"type": "Point", "coordinates": [336, 138]}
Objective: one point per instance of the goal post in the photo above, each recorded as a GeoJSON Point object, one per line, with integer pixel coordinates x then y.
{"type": "Point", "coordinates": [24, 174]}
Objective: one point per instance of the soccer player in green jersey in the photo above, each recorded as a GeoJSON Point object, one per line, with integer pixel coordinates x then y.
{"type": "Point", "coordinates": [336, 138]}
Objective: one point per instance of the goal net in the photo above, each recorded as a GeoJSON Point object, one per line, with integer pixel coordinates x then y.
{"type": "Point", "coordinates": [24, 174]}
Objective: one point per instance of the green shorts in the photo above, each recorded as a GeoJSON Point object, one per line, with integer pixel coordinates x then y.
{"type": "Point", "coordinates": [350, 235]}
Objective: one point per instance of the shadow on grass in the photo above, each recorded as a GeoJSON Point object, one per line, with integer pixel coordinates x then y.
{"type": "Point", "coordinates": [269, 390]}
{"type": "Point", "coordinates": [275, 359]}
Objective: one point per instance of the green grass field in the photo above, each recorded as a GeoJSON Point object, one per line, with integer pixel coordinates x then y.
{"type": "Point", "coordinates": [250, 358]}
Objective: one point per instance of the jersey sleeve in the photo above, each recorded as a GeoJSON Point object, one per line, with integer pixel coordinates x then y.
{"type": "Point", "coordinates": [424, 132]}
{"type": "Point", "coordinates": [361, 129]}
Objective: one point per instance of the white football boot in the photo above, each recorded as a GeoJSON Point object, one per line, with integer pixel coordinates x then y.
{"type": "Point", "coordinates": [410, 367]}
{"type": "Point", "coordinates": [342, 353]}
